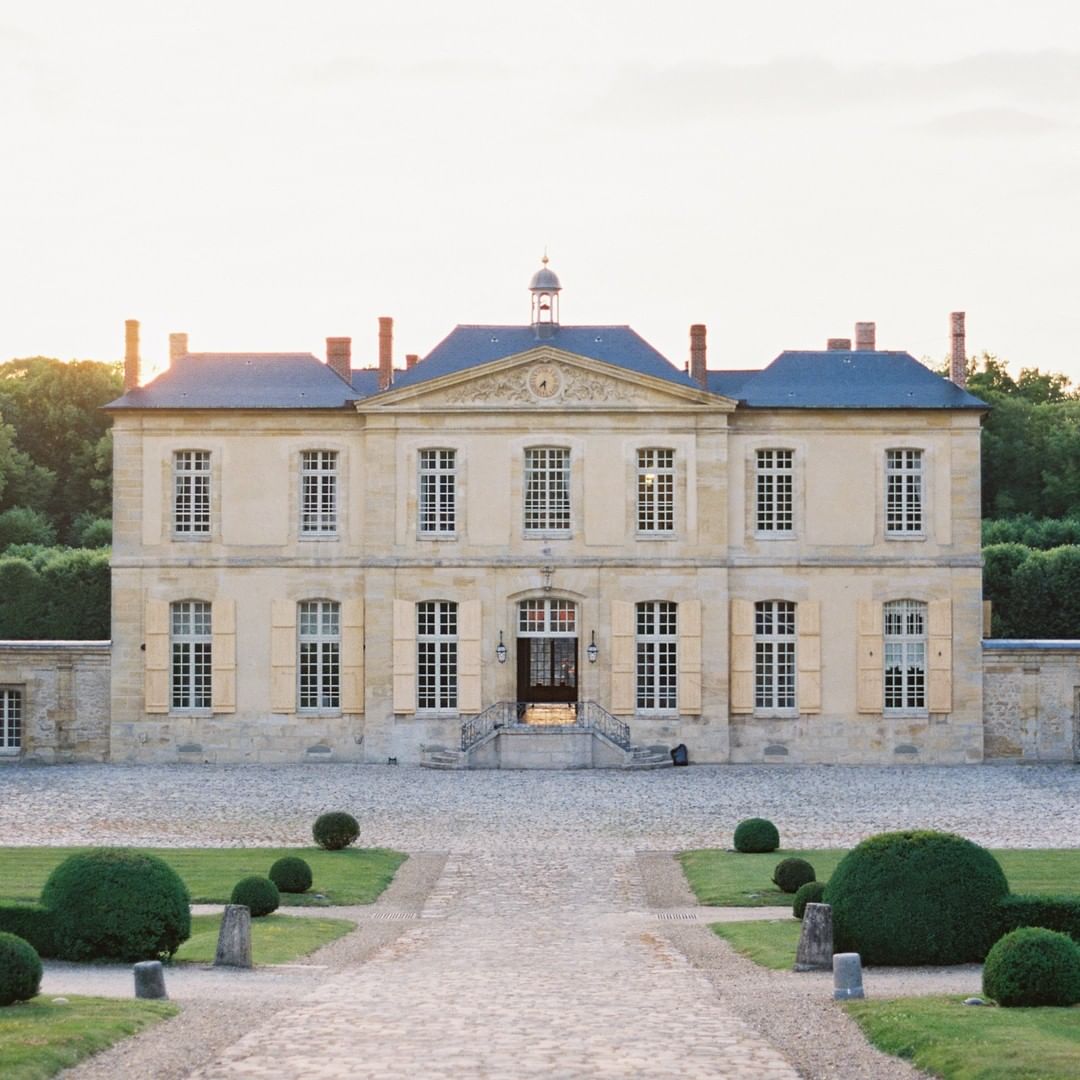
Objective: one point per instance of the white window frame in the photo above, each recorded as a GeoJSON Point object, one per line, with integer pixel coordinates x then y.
{"type": "Point", "coordinates": [547, 499]}
{"type": "Point", "coordinates": [775, 666]}
{"type": "Point", "coordinates": [191, 493]}
{"type": "Point", "coordinates": [774, 492]}
{"type": "Point", "coordinates": [318, 493]}
{"type": "Point", "coordinates": [905, 492]}
{"type": "Point", "coordinates": [12, 714]}
{"type": "Point", "coordinates": [191, 656]}
{"type": "Point", "coordinates": [655, 491]}
{"type": "Point", "coordinates": [318, 656]}
{"type": "Point", "coordinates": [437, 665]}
{"type": "Point", "coordinates": [437, 492]}
{"type": "Point", "coordinates": [905, 682]}
{"type": "Point", "coordinates": [547, 618]}
{"type": "Point", "coordinates": [656, 665]}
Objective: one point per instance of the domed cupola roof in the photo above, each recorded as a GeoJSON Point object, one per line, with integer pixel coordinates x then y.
{"type": "Point", "coordinates": [545, 279]}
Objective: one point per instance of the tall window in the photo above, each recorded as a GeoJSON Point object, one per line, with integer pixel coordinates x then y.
{"type": "Point", "coordinates": [657, 655]}
{"type": "Point", "coordinates": [436, 655]}
{"type": "Point", "coordinates": [318, 492]}
{"type": "Point", "coordinates": [903, 492]}
{"type": "Point", "coordinates": [319, 625]}
{"type": "Point", "coordinates": [774, 485]}
{"type": "Point", "coordinates": [191, 492]}
{"type": "Point", "coordinates": [905, 655]}
{"type": "Point", "coordinates": [438, 492]}
{"type": "Point", "coordinates": [10, 719]}
{"type": "Point", "coordinates": [547, 489]}
{"type": "Point", "coordinates": [774, 655]}
{"type": "Point", "coordinates": [191, 654]}
{"type": "Point", "coordinates": [656, 491]}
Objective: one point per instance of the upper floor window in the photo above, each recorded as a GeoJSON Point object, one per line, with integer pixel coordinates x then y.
{"type": "Point", "coordinates": [903, 492]}
{"type": "Point", "coordinates": [438, 492]}
{"type": "Point", "coordinates": [547, 489]}
{"type": "Point", "coordinates": [192, 644]}
{"type": "Point", "coordinates": [774, 485]}
{"type": "Point", "coordinates": [656, 491]}
{"type": "Point", "coordinates": [657, 641]}
{"type": "Point", "coordinates": [318, 492]}
{"type": "Point", "coordinates": [191, 491]}
{"type": "Point", "coordinates": [774, 655]}
{"type": "Point", "coordinates": [436, 655]}
{"type": "Point", "coordinates": [905, 655]}
{"type": "Point", "coordinates": [11, 716]}
{"type": "Point", "coordinates": [319, 626]}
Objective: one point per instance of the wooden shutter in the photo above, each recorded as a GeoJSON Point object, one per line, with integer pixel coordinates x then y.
{"type": "Point", "coordinates": [808, 622]}
{"type": "Point", "coordinates": [223, 656]}
{"type": "Point", "coordinates": [623, 658]}
{"type": "Point", "coordinates": [870, 673]}
{"type": "Point", "coordinates": [469, 690]}
{"type": "Point", "coordinates": [404, 656]}
{"type": "Point", "coordinates": [690, 657]}
{"type": "Point", "coordinates": [283, 656]}
{"type": "Point", "coordinates": [156, 661]}
{"type": "Point", "coordinates": [352, 655]}
{"type": "Point", "coordinates": [939, 647]}
{"type": "Point", "coordinates": [742, 656]}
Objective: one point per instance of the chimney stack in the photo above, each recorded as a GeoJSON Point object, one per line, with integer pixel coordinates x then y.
{"type": "Point", "coordinates": [958, 355]}
{"type": "Point", "coordinates": [177, 347]}
{"type": "Point", "coordinates": [131, 355]}
{"type": "Point", "coordinates": [386, 352]}
{"type": "Point", "coordinates": [339, 356]}
{"type": "Point", "coordinates": [838, 344]}
{"type": "Point", "coordinates": [698, 370]}
{"type": "Point", "coordinates": [865, 335]}
{"type": "Point", "coordinates": [411, 360]}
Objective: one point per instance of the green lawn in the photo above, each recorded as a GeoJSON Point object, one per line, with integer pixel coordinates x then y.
{"type": "Point", "coordinates": [38, 1038]}
{"type": "Point", "coordinates": [275, 939]}
{"type": "Point", "coordinates": [767, 942]}
{"type": "Point", "coordinates": [963, 1042]}
{"type": "Point", "coordinates": [352, 876]}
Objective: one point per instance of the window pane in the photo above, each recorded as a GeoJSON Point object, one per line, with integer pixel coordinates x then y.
{"type": "Point", "coordinates": [319, 654]}
{"type": "Point", "coordinates": [191, 654]}
{"type": "Point", "coordinates": [10, 719]}
{"type": "Point", "coordinates": [191, 491]}
{"type": "Point", "coordinates": [436, 655]}
{"type": "Point", "coordinates": [905, 655]}
{"type": "Point", "coordinates": [903, 491]}
{"type": "Point", "coordinates": [657, 655]}
{"type": "Point", "coordinates": [774, 655]}
{"type": "Point", "coordinates": [775, 491]}
{"type": "Point", "coordinates": [438, 492]}
{"type": "Point", "coordinates": [656, 491]}
{"type": "Point", "coordinates": [318, 491]}
{"type": "Point", "coordinates": [547, 489]}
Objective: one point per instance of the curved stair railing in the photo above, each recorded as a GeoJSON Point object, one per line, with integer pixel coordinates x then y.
{"type": "Point", "coordinates": [588, 715]}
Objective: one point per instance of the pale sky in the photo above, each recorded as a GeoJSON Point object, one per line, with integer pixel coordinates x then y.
{"type": "Point", "coordinates": [265, 174]}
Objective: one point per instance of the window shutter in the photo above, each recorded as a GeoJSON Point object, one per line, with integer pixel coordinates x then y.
{"type": "Point", "coordinates": [223, 656]}
{"type": "Point", "coordinates": [352, 655]}
{"type": "Point", "coordinates": [870, 692]}
{"type": "Point", "coordinates": [939, 674]}
{"type": "Point", "coordinates": [623, 658]}
{"type": "Point", "coordinates": [404, 656]}
{"type": "Point", "coordinates": [690, 657]}
{"type": "Point", "coordinates": [469, 657]}
{"type": "Point", "coordinates": [808, 616]}
{"type": "Point", "coordinates": [742, 656]}
{"type": "Point", "coordinates": [283, 656]}
{"type": "Point", "coordinates": [156, 663]}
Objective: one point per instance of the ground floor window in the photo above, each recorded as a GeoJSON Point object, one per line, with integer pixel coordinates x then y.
{"type": "Point", "coordinates": [11, 712]}
{"type": "Point", "coordinates": [320, 655]}
{"type": "Point", "coordinates": [774, 655]}
{"type": "Point", "coordinates": [905, 655]}
{"type": "Point", "coordinates": [436, 655]}
{"type": "Point", "coordinates": [191, 654]}
{"type": "Point", "coordinates": [657, 656]}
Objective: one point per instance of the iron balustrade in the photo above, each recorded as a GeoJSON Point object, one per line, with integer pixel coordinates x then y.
{"type": "Point", "coordinates": [587, 716]}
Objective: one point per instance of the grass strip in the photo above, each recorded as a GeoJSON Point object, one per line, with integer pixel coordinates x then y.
{"type": "Point", "coordinates": [275, 939]}
{"type": "Point", "coordinates": [768, 942]}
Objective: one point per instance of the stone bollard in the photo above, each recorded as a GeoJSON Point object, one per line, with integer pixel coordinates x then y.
{"type": "Point", "coordinates": [815, 942]}
{"type": "Point", "coordinates": [149, 979]}
{"type": "Point", "coordinates": [234, 938]}
{"type": "Point", "coordinates": [847, 976]}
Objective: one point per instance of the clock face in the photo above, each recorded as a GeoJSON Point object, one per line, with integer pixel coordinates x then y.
{"type": "Point", "coordinates": [544, 380]}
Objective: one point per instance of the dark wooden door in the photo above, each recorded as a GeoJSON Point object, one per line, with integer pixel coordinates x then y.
{"type": "Point", "coordinates": [547, 669]}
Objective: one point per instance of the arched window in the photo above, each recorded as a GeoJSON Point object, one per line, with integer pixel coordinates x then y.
{"type": "Point", "coordinates": [437, 654]}
{"type": "Point", "coordinates": [657, 640]}
{"type": "Point", "coordinates": [319, 641]}
{"type": "Point", "coordinates": [774, 654]}
{"type": "Point", "coordinates": [191, 646]}
{"type": "Point", "coordinates": [905, 655]}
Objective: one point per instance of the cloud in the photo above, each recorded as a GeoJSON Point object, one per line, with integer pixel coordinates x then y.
{"type": "Point", "coordinates": [990, 123]}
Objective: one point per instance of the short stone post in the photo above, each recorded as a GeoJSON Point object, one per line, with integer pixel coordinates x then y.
{"type": "Point", "coordinates": [150, 979]}
{"type": "Point", "coordinates": [847, 976]}
{"type": "Point", "coordinates": [234, 938]}
{"type": "Point", "coordinates": [815, 942]}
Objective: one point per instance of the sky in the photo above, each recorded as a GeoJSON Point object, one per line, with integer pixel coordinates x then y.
{"type": "Point", "coordinates": [263, 175]}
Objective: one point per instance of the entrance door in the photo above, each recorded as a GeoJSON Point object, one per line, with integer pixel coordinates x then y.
{"type": "Point", "coordinates": [547, 669]}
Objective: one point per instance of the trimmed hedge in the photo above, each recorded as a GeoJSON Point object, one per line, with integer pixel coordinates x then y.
{"type": "Point", "coordinates": [258, 894]}
{"type": "Point", "coordinates": [291, 874]}
{"type": "Point", "coordinates": [810, 893]}
{"type": "Point", "coordinates": [1032, 966]}
{"type": "Point", "coordinates": [31, 922]}
{"type": "Point", "coordinates": [756, 835]}
{"type": "Point", "coordinates": [20, 970]}
{"type": "Point", "coordinates": [335, 830]}
{"type": "Point", "coordinates": [1060, 913]}
{"type": "Point", "coordinates": [791, 875]}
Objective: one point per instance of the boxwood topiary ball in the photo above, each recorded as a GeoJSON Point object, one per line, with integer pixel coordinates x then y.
{"type": "Point", "coordinates": [1031, 966]}
{"type": "Point", "coordinates": [810, 893]}
{"type": "Point", "coordinates": [916, 897]}
{"type": "Point", "coordinates": [291, 874]}
{"type": "Point", "coordinates": [117, 904]}
{"type": "Point", "coordinates": [791, 874]}
{"type": "Point", "coordinates": [20, 970]}
{"type": "Point", "coordinates": [258, 894]}
{"type": "Point", "coordinates": [335, 830]}
{"type": "Point", "coordinates": [755, 835]}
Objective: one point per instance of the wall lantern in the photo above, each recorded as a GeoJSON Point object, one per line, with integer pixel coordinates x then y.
{"type": "Point", "coordinates": [500, 650]}
{"type": "Point", "coordinates": [592, 652]}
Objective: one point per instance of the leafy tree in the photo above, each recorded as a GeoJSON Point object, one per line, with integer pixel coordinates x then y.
{"type": "Point", "coordinates": [90, 531]}
{"type": "Point", "coordinates": [21, 525]}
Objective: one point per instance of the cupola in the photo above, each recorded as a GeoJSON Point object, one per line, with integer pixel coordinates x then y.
{"type": "Point", "coordinates": [545, 290]}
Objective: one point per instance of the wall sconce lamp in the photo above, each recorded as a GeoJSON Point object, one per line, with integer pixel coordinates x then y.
{"type": "Point", "coordinates": [592, 652]}
{"type": "Point", "coordinates": [500, 650]}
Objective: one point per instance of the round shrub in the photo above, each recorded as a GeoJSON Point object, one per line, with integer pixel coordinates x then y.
{"type": "Point", "coordinates": [20, 970]}
{"type": "Point", "coordinates": [791, 875]}
{"type": "Point", "coordinates": [810, 893]}
{"type": "Point", "coordinates": [1031, 966]}
{"type": "Point", "coordinates": [916, 897]}
{"type": "Point", "coordinates": [756, 835]}
{"type": "Point", "coordinates": [335, 830]}
{"type": "Point", "coordinates": [258, 894]}
{"type": "Point", "coordinates": [291, 874]}
{"type": "Point", "coordinates": [117, 904]}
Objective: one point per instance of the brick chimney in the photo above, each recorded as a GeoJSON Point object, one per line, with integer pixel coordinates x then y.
{"type": "Point", "coordinates": [339, 356]}
{"type": "Point", "coordinates": [958, 353]}
{"type": "Point", "coordinates": [178, 347]}
{"type": "Point", "coordinates": [698, 370]}
{"type": "Point", "coordinates": [411, 360]}
{"type": "Point", "coordinates": [386, 352]}
{"type": "Point", "coordinates": [865, 335]}
{"type": "Point", "coordinates": [131, 355]}
{"type": "Point", "coordinates": [838, 344]}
